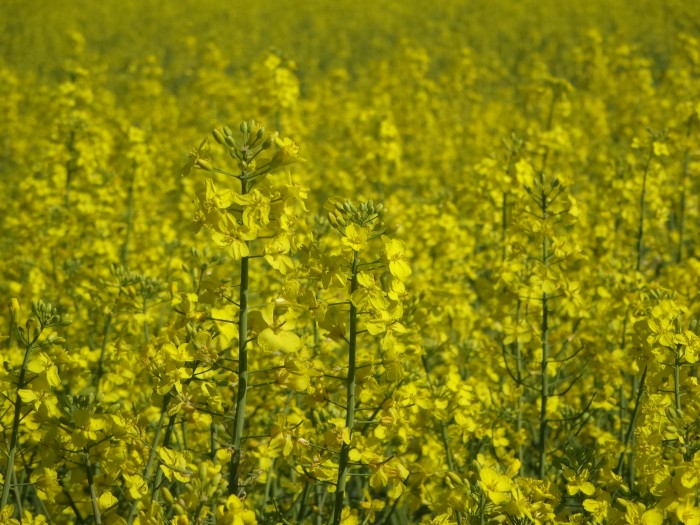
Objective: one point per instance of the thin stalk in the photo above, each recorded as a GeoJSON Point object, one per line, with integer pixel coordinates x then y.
{"type": "Point", "coordinates": [241, 397]}
{"type": "Point", "coordinates": [18, 494]}
{"type": "Point", "coordinates": [642, 209]}
{"type": "Point", "coordinates": [633, 422]}
{"type": "Point", "coordinates": [14, 436]}
{"type": "Point", "coordinates": [166, 442]}
{"type": "Point", "coordinates": [519, 372]}
{"type": "Point", "coordinates": [302, 502]}
{"type": "Point", "coordinates": [93, 490]}
{"type": "Point", "coordinates": [152, 455]}
{"type": "Point", "coordinates": [504, 225]}
{"type": "Point", "coordinates": [681, 218]}
{"type": "Point", "coordinates": [343, 464]}
{"type": "Point", "coordinates": [504, 208]}
{"type": "Point", "coordinates": [677, 371]}
{"type": "Point", "coordinates": [268, 482]}
{"type": "Point", "coordinates": [544, 339]}
{"type": "Point", "coordinates": [320, 503]}
{"type": "Point", "coordinates": [677, 379]}
{"type": "Point", "coordinates": [144, 309]}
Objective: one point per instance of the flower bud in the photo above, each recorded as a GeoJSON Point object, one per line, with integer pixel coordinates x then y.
{"type": "Point", "coordinates": [332, 219]}
{"type": "Point", "coordinates": [455, 479]}
{"type": "Point", "coordinates": [167, 495]}
{"type": "Point", "coordinates": [218, 136]}
{"type": "Point", "coordinates": [204, 164]}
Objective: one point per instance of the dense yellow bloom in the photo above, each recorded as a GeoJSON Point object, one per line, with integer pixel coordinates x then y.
{"type": "Point", "coordinates": [491, 319]}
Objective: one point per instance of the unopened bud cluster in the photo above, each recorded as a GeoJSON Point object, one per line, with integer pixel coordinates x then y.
{"type": "Point", "coordinates": [248, 147]}
{"type": "Point", "coordinates": [365, 213]}
{"type": "Point", "coordinates": [48, 315]}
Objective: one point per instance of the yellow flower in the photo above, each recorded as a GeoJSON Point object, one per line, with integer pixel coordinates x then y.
{"type": "Point", "coordinates": [578, 482]}
{"type": "Point", "coordinates": [497, 487]}
{"type": "Point", "coordinates": [356, 236]}
{"type": "Point", "coordinates": [398, 266]}
{"type": "Point", "coordinates": [598, 507]}
{"type": "Point", "coordinates": [235, 513]}
{"type": "Point", "coordinates": [198, 158]}
{"type": "Point", "coordinates": [288, 153]}
{"type": "Point", "coordinates": [688, 514]}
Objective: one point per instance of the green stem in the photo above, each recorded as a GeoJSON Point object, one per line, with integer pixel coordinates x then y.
{"type": "Point", "coordinates": [519, 375]}
{"type": "Point", "coordinates": [166, 442]}
{"type": "Point", "coordinates": [241, 397]}
{"type": "Point", "coordinates": [18, 494]}
{"type": "Point", "coordinates": [152, 455]}
{"type": "Point", "coordinates": [684, 178]}
{"type": "Point", "coordinates": [642, 209]}
{"type": "Point", "coordinates": [14, 436]}
{"type": "Point", "coordinates": [504, 207]}
{"type": "Point", "coordinates": [544, 386]}
{"type": "Point", "coordinates": [302, 502]}
{"type": "Point", "coordinates": [677, 370]}
{"type": "Point", "coordinates": [544, 338]}
{"type": "Point", "coordinates": [93, 490]}
{"type": "Point", "coordinates": [504, 225]}
{"type": "Point", "coordinates": [633, 422]}
{"type": "Point", "coordinates": [343, 464]}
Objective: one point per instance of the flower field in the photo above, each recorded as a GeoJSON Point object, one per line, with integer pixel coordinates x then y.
{"type": "Point", "coordinates": [350, 262]}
